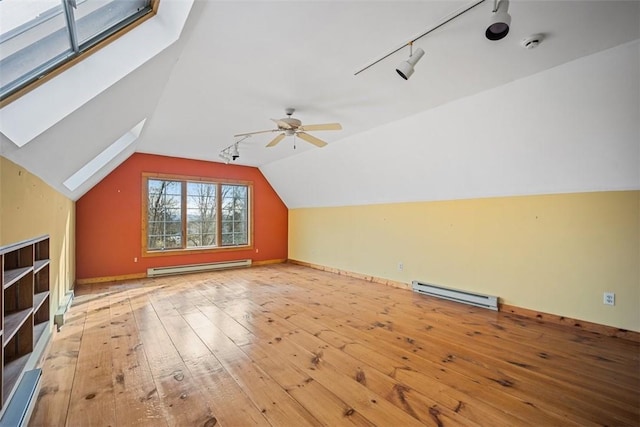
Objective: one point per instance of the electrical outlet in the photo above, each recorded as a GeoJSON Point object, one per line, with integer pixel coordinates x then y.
{"type": "Point", "coordinates": [400, 266]}
{"type": "Point", "coordinates": [609, 298]}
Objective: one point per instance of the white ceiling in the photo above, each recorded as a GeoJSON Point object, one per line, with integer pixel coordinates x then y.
{"type": "Point", "coordinates": [240, 63]}
{"type": "Point", "coordinates": [245, 62]}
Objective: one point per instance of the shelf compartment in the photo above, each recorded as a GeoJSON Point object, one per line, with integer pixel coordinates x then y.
{"type": "Point", "coordinates": [41, 280]}
{"type": "Point", "coordinates": [39, 264]}
{"type": "Point", "coordinates": [19, 296]}
{"type": "Point", "coordinates": [38, 331]}
{"type": "Point", "coordinates": [39, 299]}
{"type": "Point", "coordinates": [20, 342]}
{"type": "Point", "coordinates": [12, 371]}
{"type": "Point", "coordinates": [41, 308]}
{"type": "Point", "coordinates": [18, 258]}
{"type": "Point", "coordinates": [42, 249]}
{"type": "Point", "coordinates": [13, 322]}
{"type": "Point", "coordinates": [15, 274]}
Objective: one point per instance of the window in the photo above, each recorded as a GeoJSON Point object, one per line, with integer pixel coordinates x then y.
{"type": "Point", "coordinates": [37, 37]}
{"type": "Point", "coordinates": [194, 213]}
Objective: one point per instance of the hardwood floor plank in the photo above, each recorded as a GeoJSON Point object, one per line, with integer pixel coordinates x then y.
{"type": "Point", "coordinates": [276, 405]}
{"type": "Point", "coordinates": [450, 398]}
{"type": "Point", "coordinates": [92, 399]}
{"type": "Point", "coordinates": [453, 404]}
{"type": "Point", "coordinates": [598, 365]}
{"type": "Point", "coordinates": [479, 358]}
{"type": "Point", "coordinates": [57, 380]}
{"type": "Point", "coordinates": [136, 398]}
{"type": "Point", "coordinates": [183, 403]}
{"type": "Point", "coordinates": [557, 412]}
{"type": "Point", "coordinates": [208, 373]}
{"type": "Point", "coordinates": [325, 406]}
{"type": "Point", "coordinates": [362, 400]}
{"type": "Point", "coordinates": [322, 404]}
{"type": "Point", "coordinates": [287, 345]}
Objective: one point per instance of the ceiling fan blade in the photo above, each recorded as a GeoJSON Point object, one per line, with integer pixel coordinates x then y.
{"type": "Point", "coordinates": [254, 133]}
{"type": "Point", "coordinates": [326, 126]}
{"type": "Point", "coordinates": [281, 124]}
{"type": "Point", "coordinates": [312, 139]}
{"type": "Point", "coordinates": [276, 140]}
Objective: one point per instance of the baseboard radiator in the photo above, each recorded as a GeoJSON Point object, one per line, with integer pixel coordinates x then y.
{"type": "Point", "coordinates": [195, 268]}
{"type": "Point", "coordinates": [471, 298]}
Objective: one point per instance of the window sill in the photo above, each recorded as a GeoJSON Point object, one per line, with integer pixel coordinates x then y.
{"type": "Point", "coordinates": [193, 251]}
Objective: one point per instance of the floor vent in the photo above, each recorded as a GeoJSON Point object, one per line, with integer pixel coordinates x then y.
{"type": "Point", "coordinates": [193, 268]}
{"type": "Point", "coordinates": [478, 300]}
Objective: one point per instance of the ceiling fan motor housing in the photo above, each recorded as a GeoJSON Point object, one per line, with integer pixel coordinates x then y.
{"type": "Point", "coordinates": [294, 123]}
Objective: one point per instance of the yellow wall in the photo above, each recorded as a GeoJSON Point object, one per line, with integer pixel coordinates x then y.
{"type": "Point", "coordinates": [553, 253]}
{"type": "Point", "coordinates": [30, 208]}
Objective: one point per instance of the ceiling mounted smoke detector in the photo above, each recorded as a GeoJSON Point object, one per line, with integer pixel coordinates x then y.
{"type": "Point", "coordinates": [532, 41]}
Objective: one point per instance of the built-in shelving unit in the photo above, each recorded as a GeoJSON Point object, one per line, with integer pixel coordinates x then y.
{"type": "Point", "coordinates": [25, 307]}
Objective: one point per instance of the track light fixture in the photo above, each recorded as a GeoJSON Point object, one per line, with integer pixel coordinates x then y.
{"type": "Point", "coordinates": [406, 68]}
{"type": "Point", "coordinates": [224, 156]}
{"type": "Point", "coordinates": [232, 153]}
{"type": "Point", "coordinates": [500, 21]}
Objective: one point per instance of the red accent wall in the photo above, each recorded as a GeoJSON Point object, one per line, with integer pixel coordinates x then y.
{"type": "Point", "coordinates": [109, 218]}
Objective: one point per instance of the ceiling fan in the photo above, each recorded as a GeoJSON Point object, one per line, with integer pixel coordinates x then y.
{"type": "Point", "coordinates": [289, 126]}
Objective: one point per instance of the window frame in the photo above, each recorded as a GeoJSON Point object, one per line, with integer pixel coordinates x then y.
{"type": "Point", "coordinates": [59, 64]}
{"type": "Point", "coordinates": [185, 250]}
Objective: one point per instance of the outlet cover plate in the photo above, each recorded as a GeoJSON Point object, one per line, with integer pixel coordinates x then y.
{"type": "Point", "coordinates": [609, 298]}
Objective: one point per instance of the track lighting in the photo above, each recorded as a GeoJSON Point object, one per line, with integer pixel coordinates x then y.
{"type": "Point", "coordinates": [406, 68]}
{"type": "Point", "coordinates": [500, 21]}
{"type": "Point", "coordinates": [232, 152]}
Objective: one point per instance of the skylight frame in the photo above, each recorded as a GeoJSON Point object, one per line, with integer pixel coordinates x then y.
{"type": "Point", "coordinates": [77, 51]}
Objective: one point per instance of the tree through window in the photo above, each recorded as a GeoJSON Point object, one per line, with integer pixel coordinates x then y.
{"type": "Point", "coordinates": [201, 214]}
{"type": "Point", "coordinates": [192, 214]}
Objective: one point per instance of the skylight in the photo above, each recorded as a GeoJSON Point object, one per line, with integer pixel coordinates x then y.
{"type": "Point", "coordinates": [98, 162]}
{"type": "Point", "coordinates": [37, 36]}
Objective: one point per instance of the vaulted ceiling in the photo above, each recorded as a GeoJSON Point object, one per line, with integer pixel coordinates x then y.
{"type": "Point", "coordinates": [237, 64]}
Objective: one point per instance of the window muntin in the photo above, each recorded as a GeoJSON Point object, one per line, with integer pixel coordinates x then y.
{"type": "Point", "coordinates": [95, 17]}
{"type": "Point", "coordinates": [38, 36]}
{"type": "Point", "coordinates": [191, 214]}
{"type": "Point", "coordinates": [33, 36]}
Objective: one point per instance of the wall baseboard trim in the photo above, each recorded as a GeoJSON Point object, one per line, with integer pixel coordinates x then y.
{"type": "Point", "coordinates": [269, 262]}
{"type": "Point", "coordinates": [135, 276]}
{"type": "Point", "coordinates": [368, 278]}
{"type": "Point", "coordinates": [575, 324]}
{"type": "Point", "coordinates": [121, 278]}
{"type": "Point", "coordinates": [538, 316]}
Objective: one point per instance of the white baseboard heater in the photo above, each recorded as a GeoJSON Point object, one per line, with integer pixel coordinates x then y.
{"type": "Point", "coordinates": [471, 298]}
{"type": "Point", "coordinates": [194, 268]}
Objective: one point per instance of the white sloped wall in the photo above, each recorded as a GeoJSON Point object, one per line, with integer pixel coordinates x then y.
{"type": "Point", "coordinates": [573, 128]}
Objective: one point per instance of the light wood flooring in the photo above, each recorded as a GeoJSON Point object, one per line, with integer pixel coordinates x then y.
{"type": "Point", "coordinates": [285, 345]}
